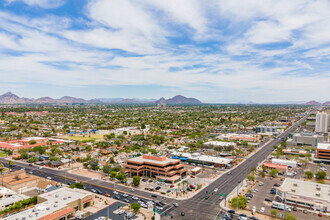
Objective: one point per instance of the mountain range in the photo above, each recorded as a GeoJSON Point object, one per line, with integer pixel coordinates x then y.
{"type": "Point", "coordinates": [10, 98]}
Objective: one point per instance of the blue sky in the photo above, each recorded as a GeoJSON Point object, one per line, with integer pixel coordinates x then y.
{"type": "Point", "coordinates": [214, 50]}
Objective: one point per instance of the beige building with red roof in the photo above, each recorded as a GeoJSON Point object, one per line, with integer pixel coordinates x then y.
{"type": "Point", "coordinates": [19, 180]}
{"type": "Point", "coordinates": [160, 167]}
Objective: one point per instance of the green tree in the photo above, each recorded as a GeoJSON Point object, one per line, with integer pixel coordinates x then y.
{"type": "Point", "coordinates": [136, 180]}
{"type": "Point", "coordinates": [11, 163]}
{"type": "Point", "coordinates": [135, 206]}
{"type": "Point", "coordinates": [106, 168]}
{"type": "Point", "coordinates": [2, 167]}
{"type": "Point", "coordinates": [250, 177]}
{"type": "Point", "coordinates": [273, 212]}
{"type": "Point", "coordinates": [262, 173]}
{"type": "Point", "coordinates": [288, 216]}
{"type": "Point", "coordinates": [321, 175]}
{"type": "Point", "coordinates": [309, 174]}
{"type": "Point", "coordinates": [242, 202]}
{"type": "Point", "coordinates": [76, 185]}
{"type": "Point", "coordinates": [273, 172]}
{"type": "Point", "coordinates": [32, 159]}
{"type": "Point", "coordinates": [113, 174]}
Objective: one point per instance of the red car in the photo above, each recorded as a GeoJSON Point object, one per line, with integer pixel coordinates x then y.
{"type": "Point", "coordinates": [107, 195]}
{"type": "Point", "coordinates": [320, 214]}
{"type": "Point", "coordinates": [172, 186]}
{"type": "Point", "coordinates": [192, 176]}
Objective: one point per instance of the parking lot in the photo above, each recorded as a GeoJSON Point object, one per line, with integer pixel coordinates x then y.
{"type": "Point", "coordinates": [263, 192]}
{"type": "Point", "coordinates": [204, 178]}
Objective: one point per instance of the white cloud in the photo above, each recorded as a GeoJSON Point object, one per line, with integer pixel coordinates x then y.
{"type": "Point", "coordinates": [54, 52]}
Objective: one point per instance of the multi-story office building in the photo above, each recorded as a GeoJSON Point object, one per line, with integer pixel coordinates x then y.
{"type": "Point", "coordinates": [322, 122]}
{"type": "Point", "coordinates": [302, 139]}
{"type": "Point", "coordinates": [160, 167]}
{"type": "Point", "coordinates": [323, 152]}
{"type": "Point", "coordinates": [264, 129]}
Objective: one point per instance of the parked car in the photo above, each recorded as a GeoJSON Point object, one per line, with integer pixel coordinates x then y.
{"type": "Point", "coordinates": [231, 211]}
{"type": "Point", "coordinates": [163, 204]}
{"type": "Point", "coordinates": [172, 186]}
{"type": "Point", "coordinates": [93, 190]}
{"type": "Point", "coordinates": [277, 185]}
{"type": "Point", "coordinates": [115, 192]}
{"type": "Point", "coordinates": [135, 198]}
{"type": "Point", "coordinates": [125, 195]}
{"type": "Point", "coordinates": [261, 184]}
{"type": "Point", "coordinates": [182, 213]}
{"type": "Point", "coordinates": [49, 178]}
{"type": "Point", "coordinates": [121, 212]}
{"type": "Point", "coordinates": [262, 210]}
{"type": "Point", "coordinates": [192, 177]}
{"type": "Point", "coordinates": [175, 204]}
{"type": "Point", "coordinates": [153, 195]}
{"type": "Point", "coordinates": [117, 197]}
{"type": "Point", "coordinates": [229, 173]}
{"type": "Point", "coordinates": [158, 188]}
{"type": "Point", "coordinates": [107, 195]}
{"type": "Point", "coordinates": [268, 200]}
{"type": "Point", "coordinates": [126, 200]}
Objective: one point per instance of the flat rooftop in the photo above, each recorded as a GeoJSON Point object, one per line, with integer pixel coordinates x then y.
{"type": "Point", "coordinates": [206, 158]}
{"type": "Point", "coordinates": [306, 189]}
{"type": "Point", "coordinates": [323, 146]}
{"type": "Point", "coordinates": [56, 200]}
{"type": "Point", "coordinates": [220, 143]}
{"type": "Point", "coordinates": [141, 159]}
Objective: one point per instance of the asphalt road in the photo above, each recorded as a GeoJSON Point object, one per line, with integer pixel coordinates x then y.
{"type": "Point", "coordinates": [197, 207]}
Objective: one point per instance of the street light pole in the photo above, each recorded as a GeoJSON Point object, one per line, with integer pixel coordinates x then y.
{"type": "Point", "coordinates": [238, 182]}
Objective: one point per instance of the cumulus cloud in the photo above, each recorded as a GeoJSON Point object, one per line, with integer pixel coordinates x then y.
{"type": "Point", "coordinates": [274, 48]}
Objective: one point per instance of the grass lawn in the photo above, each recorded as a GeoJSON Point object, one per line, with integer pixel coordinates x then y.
{"type": "Point", "coordinates": [86, 138]}
{"type": "Point", "coordinates": [3, 154]}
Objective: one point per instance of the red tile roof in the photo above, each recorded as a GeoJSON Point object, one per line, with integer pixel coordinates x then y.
{"type": "Point", "coordinates": [58, 214]}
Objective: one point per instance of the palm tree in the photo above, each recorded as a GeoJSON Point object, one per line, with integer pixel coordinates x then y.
{"type": "Point", "coordinates": [11, 163]}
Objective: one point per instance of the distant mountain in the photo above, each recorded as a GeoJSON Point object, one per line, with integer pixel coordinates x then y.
{"type": "Point", "coordinates": [179, 99]}
{"type": "Point", "coordinates": [326, 103]}
{"type": "Point", "coordinates": [10, 98]}
{"type": "Point", "coordinates": [312, 103]}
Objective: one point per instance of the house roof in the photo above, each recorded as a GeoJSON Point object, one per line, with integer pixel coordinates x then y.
{"type": "Point", "coordinates": [42, 184]}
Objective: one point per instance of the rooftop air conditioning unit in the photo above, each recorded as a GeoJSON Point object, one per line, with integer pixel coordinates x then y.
{"type": "Point", "coordinates": [295, 184]}
{"type": "Point", "coordinates": [293, 190]}
{"type": "Point", "coordinates": [317, 194]}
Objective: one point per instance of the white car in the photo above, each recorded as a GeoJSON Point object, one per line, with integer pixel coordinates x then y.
{"type": "Point", "coordinates": [261, 184]}
{"type": "Point", "coordinates": [121, 212]}
{"type": "Point", "coordinates": [262, 210]}
{"type": "Point", "coordinates": [125, 195]}
{"type": "Point", "coordinates": [216, 189]}
{"type": "Point", "coordinates": [132, 189]}
{"type": "Point", "coordinates": [49, 178]}
{"type": "Point", "coordinates": [135, 198]}
{"type": "Point", "coordinates": [115, 192]}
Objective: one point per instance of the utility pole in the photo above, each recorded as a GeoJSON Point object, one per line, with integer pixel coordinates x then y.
{"type": "Point", "coordinates": [284, 206]}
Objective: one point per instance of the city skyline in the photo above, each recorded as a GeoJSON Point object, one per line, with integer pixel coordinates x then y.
{"type": "Point", "coordinates": [215, 51]}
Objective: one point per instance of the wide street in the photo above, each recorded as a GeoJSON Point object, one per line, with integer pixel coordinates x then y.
{"type": "Point", "coordinates": [196, 207]}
